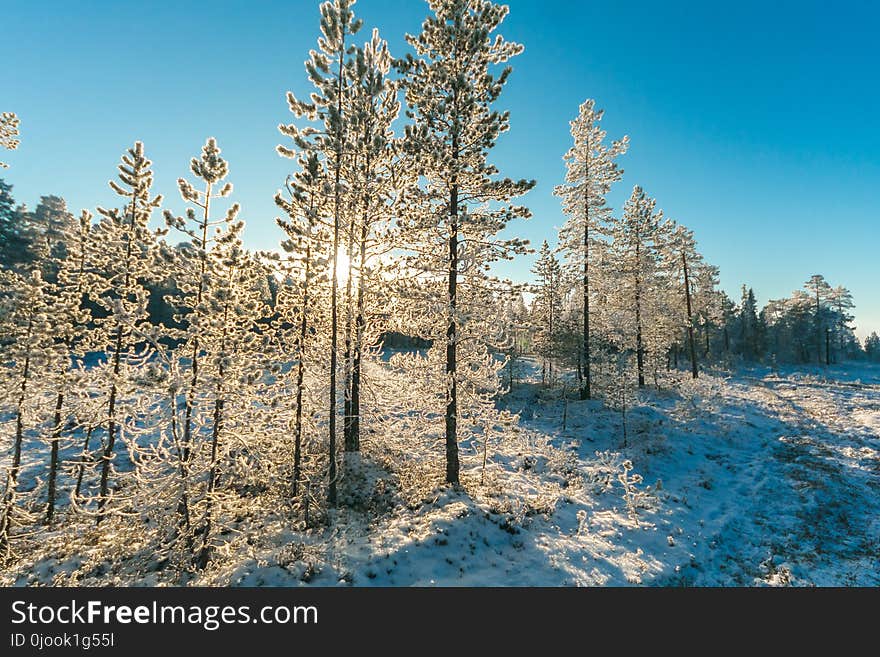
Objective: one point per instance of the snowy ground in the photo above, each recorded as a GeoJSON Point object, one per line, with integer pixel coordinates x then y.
{"type": "Point", "coordinates": [760, 478]}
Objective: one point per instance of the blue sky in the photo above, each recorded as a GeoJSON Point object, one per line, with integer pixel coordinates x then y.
{"type": "Point", "coordinates": [756, 124]}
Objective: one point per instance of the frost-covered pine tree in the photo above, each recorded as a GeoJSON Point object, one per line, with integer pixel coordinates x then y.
{"type": "Point", "coordinates": [127, 261]}
{"type": "Point", "coordinates": [193, 277]}
{"type": "Point", "coordinates": [634, 254]}
{"type": "Point", "coordinates": [330, 70]}
{"type": "Point", "coordinates": [29, 353]}
{"type": "Point", "coordinates": [379, 183]}
{"type": "Point", "coordinates": [592, 170]}
{"type": "Point", "coordinates": [9, 123]}
{"type": "Point", "coordinates": [547, 308]}
{"type": "Point", "coordinates": [232, 344]}
{"type": "Point", "coordinates": [682, 258]}
{"type": "Point", "coordinates": [707, 301]}
{"type": "Point", "coordinates": [20, 244]}
{"type": "Point", "coordinates": [71, 328]}
{"type": "Point", "coordinates": [841, 302]}
{"type": "Point", "coordinates": [820, 291]}
{"type": "Point", "coordinates": [305, 278]}
{"type": "Point", "coordinates": [451, 84]}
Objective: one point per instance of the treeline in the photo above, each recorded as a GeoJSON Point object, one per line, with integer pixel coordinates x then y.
{"type": "Point", "coordinates": [631, 292]}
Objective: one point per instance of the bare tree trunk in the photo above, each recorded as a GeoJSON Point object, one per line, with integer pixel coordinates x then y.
{"type": "Point", "coordinates": [53, 460]}
{"type": "Point", "coordinates": [347, 356]}
{"type": "Point", "coordinates": [82, 462]}
{"type": "Point", "coordinates": [827, 346]}
{"type": "Point", "coordinates": [551, 297]}
{"type": "Point", "coordinates": [12, 477]}
{"type": "Point", "coordinates": [640, 354]}
{"type": "Point", "coordinates": [334, 293]}
{"type": "Point", "coordinates": [690, 317]}
{"type": "Point", "coordinates": [360, 326]}
{"type": "Point", "coordinates": [300, 373]}
{"type": "Point", "coordinates": [452, 464]}
{"type": "Point", "coordinates": [216, 429]}
{"type": "Point", "coordinates": [586, 391]}
{"type": "Point", "coordinates": [111, 430]}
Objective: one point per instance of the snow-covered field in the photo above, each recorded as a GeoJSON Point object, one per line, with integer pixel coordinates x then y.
{"type": "Point", "coordinates": [759, 478]}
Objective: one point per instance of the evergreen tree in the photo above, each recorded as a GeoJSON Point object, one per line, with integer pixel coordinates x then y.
{"type": "Point", "coordinates": [547, 309]}
{"type": "Point", "coordinates": [193, 278]}
{"type": "Point", "coordinates": [450, 87]}
{"type": "Point", "coordinates": [19, 243]}
{"type": "Point", "coordinates": [27, 357]}
{"type": "Point", "coordinates": [634, 254]}
{"type": "Point", "coordinates": [872, 347]}
{"type": "Point", "coordinates": [684, 258]}
{"type": "Point", "coordinates": [9, 123]}
{"type": "Point", "coordinates": [127, 261]}
{"type": "Point", "coordinates": [305, 277]}
{"type": "Point", "coordinates": [330, 71]}
{"type": "Point", "coordinates": [748, 325]}
{"type": "Point", "coordinates": [820, 291]}
{"type": "Point", "coordinates": [379, 183]}
{"type": "Point", "coordinates": [71, 330]}
{"type": "Point", "coordinates": [841, 303]}
{"type": "Point", "coordinates": [591, 172]}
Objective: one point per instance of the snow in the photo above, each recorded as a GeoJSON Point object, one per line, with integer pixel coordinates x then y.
{"type": "Point", "coordinates": [763, 477]}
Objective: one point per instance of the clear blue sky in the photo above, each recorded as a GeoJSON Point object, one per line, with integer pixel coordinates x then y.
{"type": "Point", "coordinates": [756, 124]}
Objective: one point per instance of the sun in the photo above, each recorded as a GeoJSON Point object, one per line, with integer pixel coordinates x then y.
{"type": "Point", "coordinates": [342, 263]}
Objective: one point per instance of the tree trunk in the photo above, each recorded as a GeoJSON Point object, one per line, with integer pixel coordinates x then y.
{"type": "Point", "coordinates": [452, 464]}
{"type": "Point", "coordinates": [586, 391]}
{"type": "Point", "coordinates": [690, 317]}
{"type": "Point", "coordinates": [111, 430]}
{"type": "Point", "coordinates": [219, 404]}
{"type": "Point", "coordinates": [300, 374]}
{"type": "Point", "coordinates": [53, 460]}
{"type": "Point", "coordinates": [12, 476]}
{"type": "Point", "coordinates": [551, 292]}
{"type": "Point", "coordinates": [360, 326]}
{"type": "Point", "coordinates": [334, 310]}
{"type": "Point", "coordinates": [827, 346]}
{"type": "Point", "coordinates": [82, 462]}
{"type": "Point", "coordinates": [194, 379]}
{"type": "Point", "coordinates": [347, 356]}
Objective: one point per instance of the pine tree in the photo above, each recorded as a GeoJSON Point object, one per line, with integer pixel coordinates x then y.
{"type": "Point", "coordinates": [128, 260]}
{"type": "Point", "coordinates": [450, 87]}
{"type": "Point", "coordinates": [634, 254]}
{"type": "Point", "coordinates": [19, 237]}
{"type": "Point", "coordinates": [193, 277]}
{"type": "Point", "coordinates": [9, 123]}
{"type": "Point", "coordinates": [27, 357]}
{"type": "Point", "coordinates": [547, 308]}
{"type": "Point", "coordinates": [231, 343]}
{"type": "Point", "coordinates": [591, 173]}
{"type": "Point", "coordinates": [379, 182]}
{"type": "Point", "coordinates": [748, 321]}
{"type": "Point", "coordinates": [684, 258]}
{"type": "Point", "coordinates": [872, 347]}
{"type": "Point", "coordinates": [707, 303]}
{"type": "Point", "coordinates": [820, 291]}
{"type": "Point", "coordinates": [330, 71]}
{"type": "Point", "coordinates": [305, 273]}
{"type": "Point", "coordinates": [841, 302]}
{"type": "Point", "coordinates": [71, 329]}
